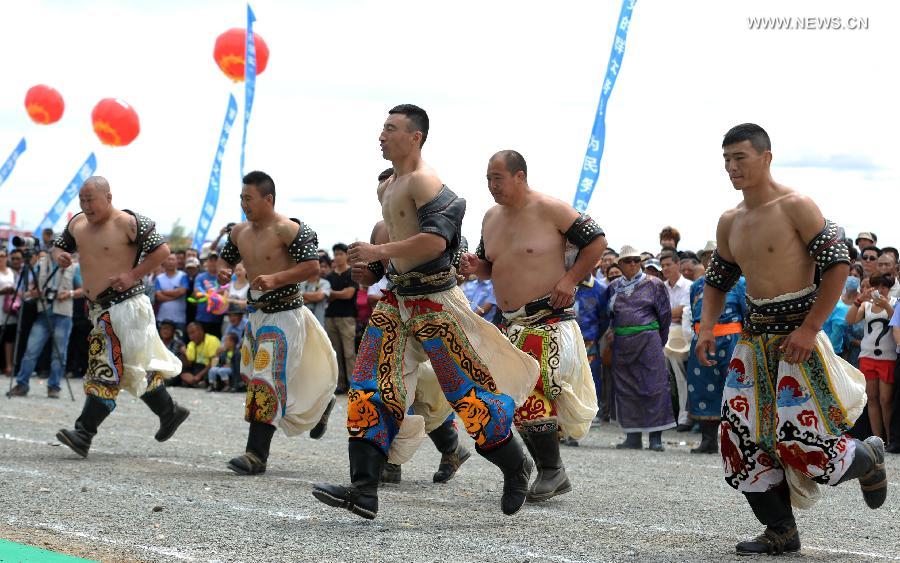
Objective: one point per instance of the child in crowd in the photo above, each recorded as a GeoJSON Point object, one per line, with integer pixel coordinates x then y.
{"type": "Point", "coordinates": [223, 374]}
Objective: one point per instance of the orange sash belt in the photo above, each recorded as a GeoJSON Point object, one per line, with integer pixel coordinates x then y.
{"type": "Point", "coordinates": [723, 329]}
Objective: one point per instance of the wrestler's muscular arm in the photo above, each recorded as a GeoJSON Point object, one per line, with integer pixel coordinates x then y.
{"type": "Point", "coordinates": [151, 261]}
{"type": "Point", "coordinates": [361, 273]}
{"type": "Point", "coordinates": [563, 215]}
{"type": "Point", "coordinates": [420, 247]}
{"type": "Point", "coordinates": [713, 298]}
{"type": "Point", "coordinates": [808, 222]}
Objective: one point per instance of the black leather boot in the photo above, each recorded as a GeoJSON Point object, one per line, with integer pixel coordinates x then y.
{"type": "Point", "coordinates": [709, 430]}
{"type": "Point", "coordinates": [92, 414]}
{"type": "Point", "coordinates": [319, 429]}
{"type": "Point", "coordinates": [656, 444]}
{"type": "Point", "coordinates": [551, 478]}
{"type": "Point", "coordinates": [868, 467]}
{"type": "Point", "coordinates": [772, 508]}
{"type": "Point", "coordinates": [253, 461]}
{"type": "Point", "coordinates": [632, 442]}
{"type": "Point", "coordinates": [516, 468]}
{"type": "Point", "coordinates": [392, 473]}
{"type": "Point", "coordinates": [361, 496]}
{"type": "Point", "coordinates": [170, 413]}
{"type": "Point", "coordinates": [453, 455]}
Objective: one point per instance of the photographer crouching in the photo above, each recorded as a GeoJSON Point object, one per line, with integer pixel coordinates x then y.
{"type": "Point", "coordinates": [52, 288]}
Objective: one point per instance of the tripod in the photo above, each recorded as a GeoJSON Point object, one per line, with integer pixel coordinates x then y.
{"type": "Point", "coordinates": [42, 303]}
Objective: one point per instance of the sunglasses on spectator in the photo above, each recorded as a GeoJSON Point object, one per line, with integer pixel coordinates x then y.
{"type": "Point", "coordinates": [630, 260]}
{"type": "Point", "coordinates": [869, 258]}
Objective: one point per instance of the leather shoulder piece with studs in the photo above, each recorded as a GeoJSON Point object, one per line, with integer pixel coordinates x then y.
{"type": "Point", "coordinates": [65, 240]}
{"type": "Point", "coordinates": [305, 245]}
{"type": "Point", "coordinates": [584, 231]}
{"type": "Point", "coordinates": [827, 249]}
{"type": "Point", "coordinates": [722, 274]}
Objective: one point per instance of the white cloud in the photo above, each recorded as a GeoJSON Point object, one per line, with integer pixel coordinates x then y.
{"type": "Point", "coordinates": [523, 75]}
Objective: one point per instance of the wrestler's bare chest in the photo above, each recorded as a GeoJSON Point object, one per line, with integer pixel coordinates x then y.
{"type": "Point", "coordinates": [767, 246]}
{"type": "Point", "coordinates": [522, 236]}
{"type": "Point", "coordinates": [262, 251]}
{"type": "Point", "coordinates": [399, 210]}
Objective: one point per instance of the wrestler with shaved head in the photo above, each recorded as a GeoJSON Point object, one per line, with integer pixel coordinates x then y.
{"type": "Point", "coordinates": [116, 249]}
{"type": "Point", "coordinates": [523, 251]}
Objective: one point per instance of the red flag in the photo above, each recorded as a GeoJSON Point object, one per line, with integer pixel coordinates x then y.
{"type": "Point", "coordinates": [12, 217]}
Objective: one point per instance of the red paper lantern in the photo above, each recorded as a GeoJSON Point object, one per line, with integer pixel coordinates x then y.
{"type": "Point", "coordinates": [231, 48]}
{"type": "Point", "coordinates": [44, 104]}
{"type": "Point", "coordinates": [115, 122]}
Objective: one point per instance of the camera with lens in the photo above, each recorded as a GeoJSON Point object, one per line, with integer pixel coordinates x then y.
{"type": "Point", "coordinates": [26, 243]}
{"type": "Point", "coordinates": [50, 294]}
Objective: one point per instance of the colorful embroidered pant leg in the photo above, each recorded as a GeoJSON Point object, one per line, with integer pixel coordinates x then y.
{"type": "Point", "coordinates": [125, 351]}
{"type": "Point", "coordinates": [564, 391]}
{"type": "Point", "coordinates": [377, 395]}
{"type": "Point", "coordinates": [290, 369]}
{"type": "Point", "coordinates": [778, 416]}
{"type": "Point", "coordinates": [465, 380]}
{"type": "Point", "coordinates": [105, 366]}
{"type": "Point", "coordinates": [541, 344]}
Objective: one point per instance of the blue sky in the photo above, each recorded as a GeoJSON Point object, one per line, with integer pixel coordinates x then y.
{"type": "Point", "coordinates": [504, 74]}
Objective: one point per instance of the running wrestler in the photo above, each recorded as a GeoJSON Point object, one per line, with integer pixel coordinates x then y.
{"type": "Point", "coordinates": [788, 399]}
{"type": "Point", "coordinates": [116, 249]}
{"type": "Point", "coordinates": [286, 357]}
{"type": "Point", "coordinates": [523, 251]}
{"type": "Point", "coordinates": [429, 401]}
{"type": "Point", "coordinates": [422, 316]}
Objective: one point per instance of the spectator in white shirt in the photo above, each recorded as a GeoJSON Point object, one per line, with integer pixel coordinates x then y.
{"type": "Point", "coordinates": [679, 289]}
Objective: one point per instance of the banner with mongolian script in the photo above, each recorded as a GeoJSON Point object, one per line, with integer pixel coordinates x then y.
{"type": "Point", "coordinates": [59, 208]}
{"type": "Point", "coordinates": [208, 211]}
{"type": "Point", "coordinates": [10, 163]}
{"type": "Point", "coordinates": [590, 168]}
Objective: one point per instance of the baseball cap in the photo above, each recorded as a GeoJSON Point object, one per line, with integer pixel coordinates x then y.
{"type": "Point", "coordinates": [192, 262]}
{"type": "Point", "coordinates": [653, 263]}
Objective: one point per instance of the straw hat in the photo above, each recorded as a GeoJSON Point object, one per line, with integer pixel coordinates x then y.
{"type": "Point", "coordinates": [678, 347]}
{"type": "Point", "coordinates": [629, 252]}
{"type": "Point", "coordinates": [708, 249]}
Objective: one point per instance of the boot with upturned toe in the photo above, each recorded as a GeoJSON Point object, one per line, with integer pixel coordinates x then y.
{"type": "Point", "coordinates": [79, 440]}
{"type": "Point", "coordinates": [319, 429]}
{"type": "Point", "coordinates": [453, 454]}
{"type": "Point", "coordinates": [551, 479]}
{"type": "Point", "coordinates": [632, 442]}
{"type": "Point", "coordinates": [170, 413]}
{"type": "Point", "coordinates": [773, 509]}
{"type": "Point", "coordinates": [708, 445]}
{"type": "Point", "coordinates": [361, 496]}
{"type": "Point", "coordinates": [516, 468]}
{"type": "Point", "coordinates": [253, 461]}
{"type": "Point", "coordinates": [868, 467]}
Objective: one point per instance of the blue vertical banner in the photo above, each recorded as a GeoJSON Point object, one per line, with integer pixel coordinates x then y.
{"type": "Point", "coordinates": [208, 211]}
{"type": "Point", "coordinates": [249, 79]}
{"type": "Point", "coordinates": [52, 217]}
{"type": "Point", "coordinates": [10, 163]}
{"type": "Point", "coordinates": [590, 168]}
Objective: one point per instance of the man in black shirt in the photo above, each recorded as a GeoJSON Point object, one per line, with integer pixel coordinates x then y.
{"type": "Point", "coordinates": [340, 316]}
